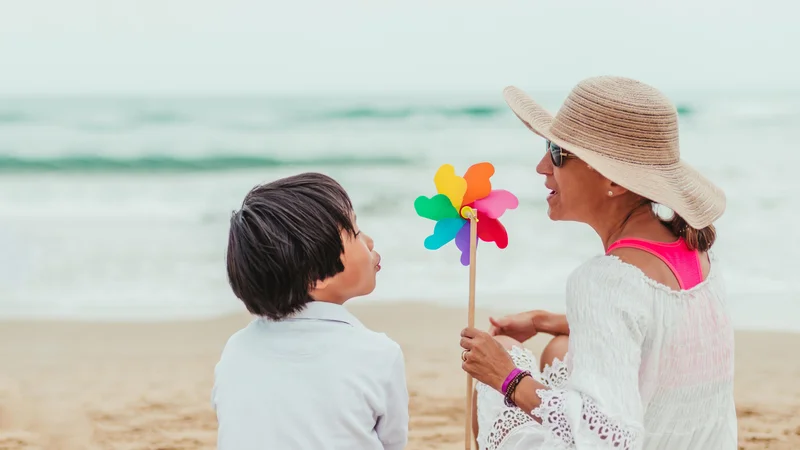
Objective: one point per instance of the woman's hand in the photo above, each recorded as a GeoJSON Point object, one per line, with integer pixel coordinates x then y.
{"type": "Point", "coordinates": [526, 325]}
{"type": "Point", "coordinates": [521, 326]}
{"type": "Point", "coordinates": [484, 358]}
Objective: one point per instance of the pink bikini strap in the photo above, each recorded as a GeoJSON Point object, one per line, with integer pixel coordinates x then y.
{"type": "Point", "coordinates": [684, 263]}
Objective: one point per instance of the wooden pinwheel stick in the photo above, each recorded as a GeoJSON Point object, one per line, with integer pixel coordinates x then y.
{"type": "Point", "coordinates": [470, 214]}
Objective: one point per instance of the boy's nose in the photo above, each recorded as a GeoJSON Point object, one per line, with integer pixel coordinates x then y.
{"type": "Point", "coordinates": [370, 242]}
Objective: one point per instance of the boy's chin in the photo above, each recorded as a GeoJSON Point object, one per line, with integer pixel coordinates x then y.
{"type": "Point", "coordinates": [368, 289]}
{"type": "Point", "coordinates": [362, 292]}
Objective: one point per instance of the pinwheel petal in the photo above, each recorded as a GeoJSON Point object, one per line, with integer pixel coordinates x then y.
{"type": "Point", "coordinates": [462, 242]}
{"type": "Point", "coordinates": [491, 230]}
{"type": "Point", "coordinates": [437, 207]}
{"type": "Point", "coordinates": [444, 231]}
{"type": "Point", "coordinates": [478, 183]}
{"type": "Point", "coordinates": [450, 184]}
{"type": "Point", "coordinates": [496, 203]}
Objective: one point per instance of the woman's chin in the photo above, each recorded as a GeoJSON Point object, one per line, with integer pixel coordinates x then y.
{"type": "Point", "coordinates": [553, 210]}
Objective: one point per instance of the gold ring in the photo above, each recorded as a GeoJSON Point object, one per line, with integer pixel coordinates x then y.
{"type": "Point", "coordinates": [464, 355]}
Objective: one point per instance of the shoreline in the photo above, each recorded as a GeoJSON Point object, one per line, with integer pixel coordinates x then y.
{"type": "Point", "coordinates": [354, 305]}
{"type": "Point", "coordinates": [99, 385]}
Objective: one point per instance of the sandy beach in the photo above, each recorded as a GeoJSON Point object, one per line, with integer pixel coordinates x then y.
{"type": "Point", "coordinates": [69, 385]}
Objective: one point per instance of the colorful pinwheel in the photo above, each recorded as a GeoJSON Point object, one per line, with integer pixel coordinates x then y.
{"type": "Point", "coordinates": [456, 198]}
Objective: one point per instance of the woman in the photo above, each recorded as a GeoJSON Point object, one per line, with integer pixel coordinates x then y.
{"type": "Point", "coordinates": [649, 352]}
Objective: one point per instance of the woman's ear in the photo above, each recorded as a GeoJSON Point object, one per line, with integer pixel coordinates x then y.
{"type": "Point", "coordinates": [615, 190]}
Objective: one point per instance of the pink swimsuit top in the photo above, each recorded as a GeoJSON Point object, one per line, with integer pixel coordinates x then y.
{"type": "Point", "coordinates": [684, 263]}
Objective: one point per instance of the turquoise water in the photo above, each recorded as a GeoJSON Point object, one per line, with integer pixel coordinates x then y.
{"type": "Point", "coordinates": [118, 208]}
{"type": "Point", "coordinates": [171, 164]}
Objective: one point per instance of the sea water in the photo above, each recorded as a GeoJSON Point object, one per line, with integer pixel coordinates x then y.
{"type": "Point", "coordinates": [118, 209]}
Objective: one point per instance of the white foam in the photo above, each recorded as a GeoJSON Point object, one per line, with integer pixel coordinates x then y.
{"type": "Point", "coordinates": [152, 246]}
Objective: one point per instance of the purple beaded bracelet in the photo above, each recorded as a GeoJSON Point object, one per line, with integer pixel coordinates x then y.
{"type": "Point", "coordinates": [510, 377]}
{"type": "Point", "coordinates": [508, 397]}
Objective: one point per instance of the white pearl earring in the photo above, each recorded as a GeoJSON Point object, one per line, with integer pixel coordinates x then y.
{"type": "Point", "coordinates": [610, 194]}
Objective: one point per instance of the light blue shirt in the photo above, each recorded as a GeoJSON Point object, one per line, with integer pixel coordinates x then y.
{"type": "Point", "coordinates": [317, 380]}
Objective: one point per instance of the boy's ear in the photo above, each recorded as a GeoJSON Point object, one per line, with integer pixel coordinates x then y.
{"type": "Point", "coordinates": [322, 284]}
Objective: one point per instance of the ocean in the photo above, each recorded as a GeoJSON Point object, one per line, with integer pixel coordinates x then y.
{"type": "Point", "coordinates": [117, 208]}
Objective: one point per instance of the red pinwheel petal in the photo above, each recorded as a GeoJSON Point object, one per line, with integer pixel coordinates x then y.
{"type": "Point", "coordinates": [491, 230]}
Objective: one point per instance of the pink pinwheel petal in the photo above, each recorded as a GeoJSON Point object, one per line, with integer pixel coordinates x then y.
{"type": "Point", "coordinates": [496, 203]}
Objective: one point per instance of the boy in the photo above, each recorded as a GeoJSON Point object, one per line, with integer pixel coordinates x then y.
{"type": "Point", "coordinates": [305, 374]}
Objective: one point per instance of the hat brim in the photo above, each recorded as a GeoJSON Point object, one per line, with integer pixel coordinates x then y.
{"type": "Point", "coordinates": [678, 186]}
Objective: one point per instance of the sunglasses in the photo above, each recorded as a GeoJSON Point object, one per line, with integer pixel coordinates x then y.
{"type": "Point", "coordinates": [557, 154]}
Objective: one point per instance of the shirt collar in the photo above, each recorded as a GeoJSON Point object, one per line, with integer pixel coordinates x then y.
{"type": "Point", "coordinates": [327, 311]}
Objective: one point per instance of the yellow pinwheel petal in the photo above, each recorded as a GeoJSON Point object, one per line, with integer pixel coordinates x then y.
{"type": "Point", "coordinates": [450, 184]}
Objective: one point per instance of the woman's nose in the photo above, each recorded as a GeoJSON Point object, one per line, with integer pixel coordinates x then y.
{"type": "Point", "coordinates": [545, 166]}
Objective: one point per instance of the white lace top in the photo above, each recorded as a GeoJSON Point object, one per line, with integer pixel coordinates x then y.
{"type": "Point", "coordinates": [647, 368]}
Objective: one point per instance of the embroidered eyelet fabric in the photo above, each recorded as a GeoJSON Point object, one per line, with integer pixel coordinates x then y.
{"type": "Point", "coordinates": [647, 368]}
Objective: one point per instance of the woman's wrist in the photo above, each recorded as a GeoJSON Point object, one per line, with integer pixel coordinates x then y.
{"type": "Point", "coordinates": [509, 378]}
{"type": "Point", "coordinates": [553, 324]}
{"type": "Point", "coordinates": [510, 386]}
{"type": "Point", "coordinates": [503, 376]}
{"type": "Point", "coordinates": [525, 396]}
{"type": "Point", "coordinates": [541, 321]}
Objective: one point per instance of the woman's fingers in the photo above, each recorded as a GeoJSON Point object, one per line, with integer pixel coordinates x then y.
{"type": "Point", "coordinates": [484, 358]}
{"type": "Point", "coordinates": [470, 332]}
{"type": "Point", "coordinates": [496, 327]}
{"type": "Point", "coordinates": [497, 322]}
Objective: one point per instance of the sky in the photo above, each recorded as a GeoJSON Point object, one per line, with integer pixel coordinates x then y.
{"type": "Point", "coordinates": [76, 47]}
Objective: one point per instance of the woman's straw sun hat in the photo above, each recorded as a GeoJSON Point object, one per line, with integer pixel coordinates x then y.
{"type": "Point", "coordinates": [628, 132]}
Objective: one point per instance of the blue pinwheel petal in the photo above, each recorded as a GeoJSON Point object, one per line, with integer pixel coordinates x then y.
{"type": "Point", "coordinates": [444, 231]}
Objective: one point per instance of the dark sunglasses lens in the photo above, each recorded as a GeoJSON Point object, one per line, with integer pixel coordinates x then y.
{"type": "Point", "coordinates": [555, 154]}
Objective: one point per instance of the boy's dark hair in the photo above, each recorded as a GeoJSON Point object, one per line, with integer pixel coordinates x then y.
{"type": "Point", "coordinates": [287, 236]}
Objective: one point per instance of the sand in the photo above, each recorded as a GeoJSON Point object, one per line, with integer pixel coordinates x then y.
{"type": "Point", "coordinates": [147, 386]}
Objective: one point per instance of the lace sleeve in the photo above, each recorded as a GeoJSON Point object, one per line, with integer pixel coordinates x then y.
{"type": "Point", "coordinates": [599, 406]}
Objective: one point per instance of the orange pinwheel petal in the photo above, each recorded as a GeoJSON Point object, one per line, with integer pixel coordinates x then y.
{"type": "Point", "coordinates": [478, 184]}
